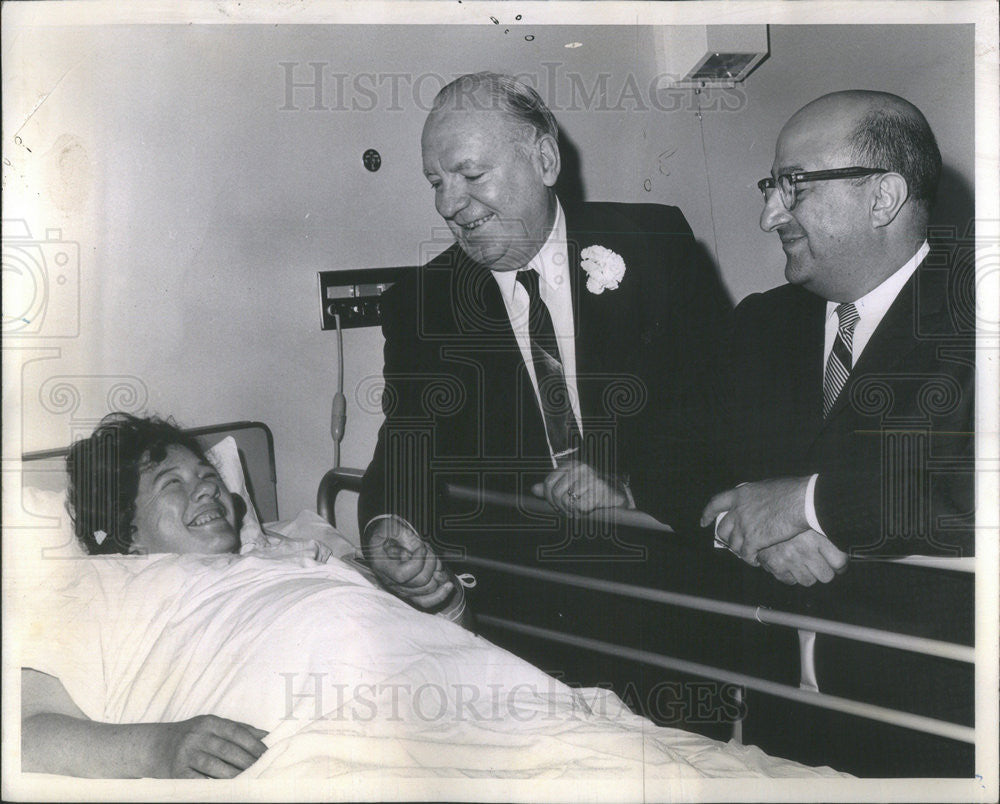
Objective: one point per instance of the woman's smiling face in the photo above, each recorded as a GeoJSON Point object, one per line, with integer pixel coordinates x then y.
{"type": "Point", "coordinates": [182, 506]}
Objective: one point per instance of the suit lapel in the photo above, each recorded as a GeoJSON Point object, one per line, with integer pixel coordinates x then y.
{"type": "Point", "coordinates": [475, 296]}
{"type": "Point", "coordinates": [894, 338]}
{"type": "Point", "coordinates": [804, 373]}
{"type": "Point", "coordinates": [594, 324]}
{"type": "Point", "coordinates": [573, 247]}
{"type": "Point", "coordinates": [510, 423]}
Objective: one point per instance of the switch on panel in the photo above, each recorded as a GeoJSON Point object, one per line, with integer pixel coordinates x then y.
{"type": "Point", "coordinates": [354, 296]}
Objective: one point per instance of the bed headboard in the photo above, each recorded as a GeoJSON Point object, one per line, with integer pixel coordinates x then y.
{"type": "Point", "coordinates": [46, 469]}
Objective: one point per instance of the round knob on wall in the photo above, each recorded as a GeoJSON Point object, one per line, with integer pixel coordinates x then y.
{"type": "Point", "coordinates": [371, 159]}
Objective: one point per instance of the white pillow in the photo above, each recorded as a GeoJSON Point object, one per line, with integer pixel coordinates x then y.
{"type": "Point", "coordinates": [58, 539]}
{"type": "Point", "coordinates": [225, 456]}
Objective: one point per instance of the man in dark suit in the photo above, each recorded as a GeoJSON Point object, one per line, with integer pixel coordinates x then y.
{"type": "Point", "coordinates": [854, 382]}
{"type": "Point", "coordinates": [852, 428]}
{"type": "Point", "coordinates": [568, 347]}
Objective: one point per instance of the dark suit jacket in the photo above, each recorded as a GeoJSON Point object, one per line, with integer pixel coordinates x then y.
{"type": "Point", "coordinates": [894, 456]}
{"type": "Point", "coordinates": [895, 468]}
{"type": "Point", "coordinates": [459, 404]}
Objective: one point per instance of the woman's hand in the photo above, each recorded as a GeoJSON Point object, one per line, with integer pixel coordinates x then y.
{"type": "Point", "coordinates": [206, 746]}
{"type": "Point", "coordinates": [57, 737]}
{"type": "Point", "coordinates": [284, 547]}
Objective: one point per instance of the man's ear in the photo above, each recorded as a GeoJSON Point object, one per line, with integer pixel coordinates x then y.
{"type": "Point", "coordinates": [548, 154]}
{"type": "Point", "coordinates": [891, 193]}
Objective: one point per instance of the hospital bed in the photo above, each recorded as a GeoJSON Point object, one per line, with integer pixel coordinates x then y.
{"type": "Point", "coordinates": [590, 623]}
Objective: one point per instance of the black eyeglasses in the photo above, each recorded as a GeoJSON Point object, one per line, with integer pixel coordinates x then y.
{"type": "Point", "coordinates": [787, 182]}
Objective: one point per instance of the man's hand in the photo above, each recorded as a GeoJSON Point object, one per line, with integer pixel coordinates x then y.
{"type": "Point", "coordinates": [577, 488]}
{"type": "Point", "coordinates": [804, 559]}
{"type": "Point", "coordinates": [405, 564]}
{"type": "Point", "coordinates": [758, 515]}
{"type": "Point", "coordinates": [206, 746]}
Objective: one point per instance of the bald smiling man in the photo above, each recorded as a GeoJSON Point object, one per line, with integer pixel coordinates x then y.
{"type": "Point", "coordinates": [852, 428]}
{"type": "Point", "coordinates": [856, 378]}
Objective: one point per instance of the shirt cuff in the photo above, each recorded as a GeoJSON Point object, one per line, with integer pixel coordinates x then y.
{"type": "Point", "coordinates": [455, 608]}
{"type": "Point", "coordinates": [811, 517]}
{"type": "Point", "coordinates": [627, 488]}
{"type": "Point", "coordinates": [717, 542]}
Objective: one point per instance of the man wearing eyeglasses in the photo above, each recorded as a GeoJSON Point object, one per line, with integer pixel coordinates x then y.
{"type": "Point", "coordinates": [854, 382]}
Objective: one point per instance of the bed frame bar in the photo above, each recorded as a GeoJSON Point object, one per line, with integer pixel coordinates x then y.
{"type": "Point", "coordinates": [337, 480]}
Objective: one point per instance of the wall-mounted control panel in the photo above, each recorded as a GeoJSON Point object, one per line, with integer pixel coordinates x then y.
{"type": "Point", "coordinates": [354, 295]}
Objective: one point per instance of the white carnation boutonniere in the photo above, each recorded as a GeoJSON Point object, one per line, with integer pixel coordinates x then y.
{"type": "Point", "coordinates": [603, 267]}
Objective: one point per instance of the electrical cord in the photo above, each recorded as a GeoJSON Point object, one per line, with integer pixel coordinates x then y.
{"type": "Point", "coordinates": [708, 176]}
{"type": "Point", "coordinates": [338, 413]}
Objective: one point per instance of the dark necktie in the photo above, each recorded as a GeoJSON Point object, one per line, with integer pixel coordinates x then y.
{"type": "Point", "coordinates": [839, 363]}
{"type": "Point", "coordinates": [552, 392]}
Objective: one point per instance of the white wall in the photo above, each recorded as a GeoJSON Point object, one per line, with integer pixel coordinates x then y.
{"type": "Point", "coordinates": [203, 210]}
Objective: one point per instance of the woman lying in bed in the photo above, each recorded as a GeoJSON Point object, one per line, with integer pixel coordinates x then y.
{"type": "Point", "coordinates": [206, 662]}
{"type": "Point", "coordinates": [142, 486]}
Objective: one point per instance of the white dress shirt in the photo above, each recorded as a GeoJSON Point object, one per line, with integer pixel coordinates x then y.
{"type": "Point", "coordinates": [871, 308]}
{"type": "Point", "coordinates": [552, 264]}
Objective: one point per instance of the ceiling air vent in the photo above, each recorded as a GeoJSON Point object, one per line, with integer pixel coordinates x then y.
{"type": "Point", "coordinates": [708, 55]}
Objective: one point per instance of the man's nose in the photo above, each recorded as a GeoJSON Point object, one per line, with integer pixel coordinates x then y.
{"type": "Point", "coordinates": [451, 199]}
{"type": "Point", "coordinates": [774, 212]}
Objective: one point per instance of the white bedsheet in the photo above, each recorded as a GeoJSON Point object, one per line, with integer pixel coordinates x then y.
{"type": "Point", "coordinates": [347, 679]}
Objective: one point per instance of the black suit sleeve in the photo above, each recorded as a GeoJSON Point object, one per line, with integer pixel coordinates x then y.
{"type": "Point", "coordinates": [392, 481]}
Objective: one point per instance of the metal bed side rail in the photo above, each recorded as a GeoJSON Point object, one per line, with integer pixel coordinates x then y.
{"type": "Point", "coordinates": [334, 482]}
{"type": "Point", "coordinates": [337, 480]}
{"type": "Point", "coordinates": [640, 519]}
{"type": "Point", "coordinates": [805, 694]}
{"type": "Point", "coordinates": [928, 725]}
{"type": "Point", "coordinates": [765, 616]}
{"type": "Point", "coordinates": [349, 479]}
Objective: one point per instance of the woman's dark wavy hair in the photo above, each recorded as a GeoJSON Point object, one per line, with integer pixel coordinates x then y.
{"type": "Point", "coordinates": [104, 475]}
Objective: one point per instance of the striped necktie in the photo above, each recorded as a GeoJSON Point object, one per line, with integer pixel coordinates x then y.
{"type": "Point", "coordinates": [838, 365]}
{"type": "Point", "coordinates": [553, 396]}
